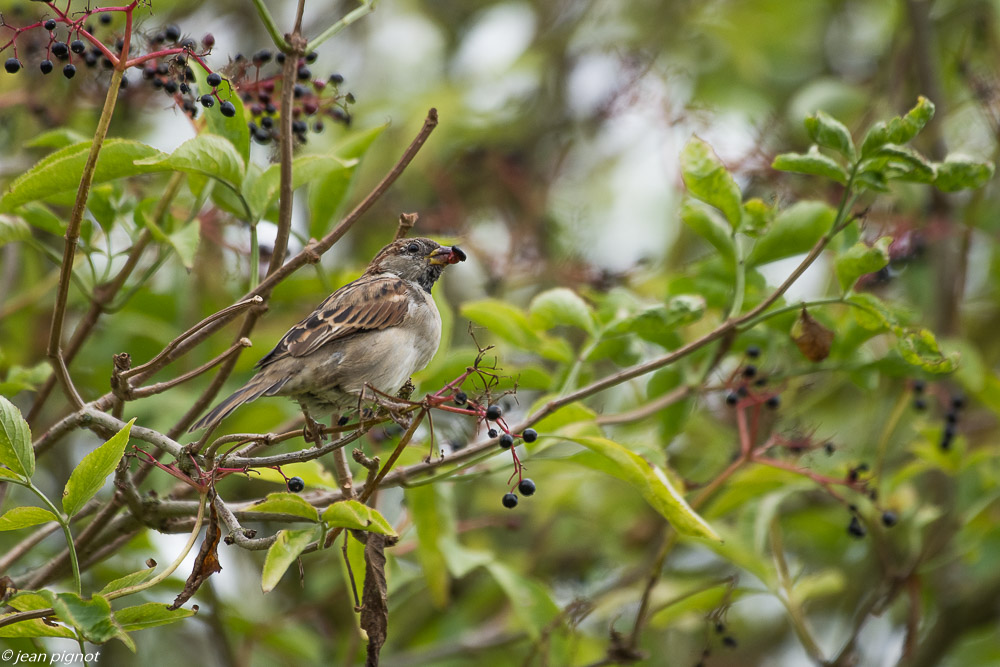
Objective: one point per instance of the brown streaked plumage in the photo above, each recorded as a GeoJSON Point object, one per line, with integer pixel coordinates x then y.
{"type": "Point", "coordinates": [377, 330]}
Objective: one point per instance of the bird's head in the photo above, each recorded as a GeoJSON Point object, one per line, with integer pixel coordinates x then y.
{"type": "Point", "coordinates": [418, 259]}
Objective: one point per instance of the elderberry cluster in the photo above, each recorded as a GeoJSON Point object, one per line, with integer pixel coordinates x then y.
{"type": "Point", "coordinates": [953, 409]}
{"type": "Point", "coordinates": [314, 98]}
{"type": "Point", "coordinates": [747, 382]}
{"type": "Point", "coordinates": [506, 441]}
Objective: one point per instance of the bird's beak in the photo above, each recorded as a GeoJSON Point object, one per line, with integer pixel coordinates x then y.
{"type": "Point", "coordinates": [447, 255]}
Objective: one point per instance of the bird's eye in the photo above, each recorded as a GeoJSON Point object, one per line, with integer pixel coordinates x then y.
{"type": "Point", "coordinates": [413, 248]}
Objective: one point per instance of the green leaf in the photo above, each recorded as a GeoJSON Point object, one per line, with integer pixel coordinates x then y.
{"type": "Point", "coordinates": [900, 163]}
{"type": "Point", "coordinates": [561, 306]}
{"type": "Point", "coordinates": [57, 138]}
{"type": "Point", "coordinates": [920, 348]}
{"type": "Point", "coordinates": [93, 617]}
{"type": "Point", "coordinates": [898, 130]}
{"type": "Point", "coordinates": [35, 627]}
{"type": "Point", "coordinates": [872, 313]}
{"type": "Point", "coordinates": [861, 259]}
{"type": "Point", "coordinates": [757, 216]}
{"type": "Point", "coordinates": [813, 163]}
{"type": "Point", "coordinates": [38, 215]}
{"type": "Point", "coordinates": [794, 231]}
{"type": "Point", "coordinates": [286, 503]}
{"type": "Point", "coordinates": [328, 191]}
{"type": "Point", "coordinates": [829, 132]}
{"type": "Point", "coordinates": [353, 514]}
{"type": "Point", "coordinates": [959, 173]}
{"type": "Point", "coordinates": [128, 580]}
{"type": "Point", "coordinates": [22, 517]}
{"type": "Point", "coordinates": [207, 154]}
{"type": "Point", "coordinates": [261, 192]}
{"type": "Point", "coordinates": [511, 324]}
{"type": "Point", "coordinates": [656, 323]}
{"type": "Point", "coordinates": [708, 224]}
{"type": "Point", "coordinates": [531, 601]}
{"type": "Point", "coordinates": [61, 171]}
{"type": "Point", "coordinates": [707, 179]}
{"type": "Point", "coordinates": [13, 230]}
{"type": "Point", "coordinates": [652, 483]}
{"type": "Point", "coordinates": [88, 477]}
{"type": "Point", "coordinates": [283, 552]}
{"type": "Point", "coordinates": [185, 243]}
{"type": "Point", "coordinates": [430, 508]}
{"type": "Point", "coordinates": [235, 128]}
{"type": "Point", "coordinates": [312, 473]}
{"type": "Point", "coordinates": [15, 440]}
{"type": "Point", "coordinates": [151, 614]}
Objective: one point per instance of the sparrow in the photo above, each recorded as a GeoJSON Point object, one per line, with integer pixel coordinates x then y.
{"type": "Point", "coordinates": [376, 331]}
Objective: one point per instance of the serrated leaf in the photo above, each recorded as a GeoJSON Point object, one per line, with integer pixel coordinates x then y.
{"type": "Point", "coordinates": [794, 231]}
{"type": "Point", "coordinates": [206, 154]}
{"type": "Point", "coordinates": [829, 132]}
{"type": "Point", "coordinates": [15, 440]}
{"type": "Point", "coordinates": [898, 130]}
{"type": "Point", "coordinates": [149, 615]}
{"type": "Point", "coordinates": [329, 190]}
{"type": "Point", "coordinates": [860, 259]}
{"type": "Point", "coordinates": [511, 324]}
{"type": "Point", "coordinates": [61, 171]}
{"type": "Point", "coordinates": [813, 163]}
{"type": "Point", "coordinates": [353, 514]}
{"type": "Point", "coordinates": [286, 503]}
{"type": "Point", "coordinates": [561, 306]}
{"type": "Point", "coordinates": [22, 517]}
{"type": "Point", "coordinates": [88, 477]}
{"type": "Point", "coordinates": [960, 173]}
{"type": "Point", "coordinates": [261, 192]}
{"type": "Point", "coordinates": [650, 481]}
{"type": "Point", "coordinates": [707, 179]}
{"type": "Point", "coordinates": [708, 224]}
{"type": "Point", "coordinates": [288, 546]}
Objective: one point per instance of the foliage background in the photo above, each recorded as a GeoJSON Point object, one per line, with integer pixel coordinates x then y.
{"type": "Point", "coordinates": [556, 164]}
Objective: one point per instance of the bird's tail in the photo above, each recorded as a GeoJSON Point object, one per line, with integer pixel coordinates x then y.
{"type": "Point", "coordinates": [251, 391]}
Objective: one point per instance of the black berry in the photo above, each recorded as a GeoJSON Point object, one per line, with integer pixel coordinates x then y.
{"type": "Point", "coordinates": [343, 421]}
{"type": "Point", "coordinates": [45, 66]}
{"type": "Point", "coordinates": [207, 101]}
{"type": "Point", "coordinates": [919, 404]}
{"type": "Point", "coordinates": [304, 74]}
{"type": "Point", "coordinates": [69, 71]}
{"type": "Point", "coordinates": [279, 57]}
{"type": "Point", "coordinates": [295, 484]}
{"type": "Point", "coordinates": [753, 351]}
{"type": "Point", "coordinates": [208, 41]}
{"type": "Point", "coordinates": [773, 402]}
{"type": "Point", "coordinates": [60, 50]}
{"type": "Point", "coordinates": [947, 435]}
{"type": "Point", "coordinates": [510, 500]}
{"type": "Point", "coordinates": [493, 413]}
{"type": "Point", "coordinates": [529, 435]}
{"type": "Point", "coordinates": [311, 57]}
{"type": "Point", "coordinates": [172, 32]}
{"type": "Point", "coordinates": [77, 46]}
{"type": "Point", "coordinates": [299, 127]}
{"type": "Point", "coordinates": [261, 57]}
{"type": "Point", "coordinates": [729, 641]}
{"type": "Point", "coordinates": [50, 25]}
{"type": "Point", "coordinates": [749, 371]}
{"type": "Point", "coordinates": [958, 401]}
{"type": "Point", "coordinates": [91, 59]}
{"type": "Point", "coordinates": [336, 79]}
{"type": "Point", "coordinates": [12, 65]}
{"type": "Point", "coordinates": [492, 433]}
{"type": "Point", "coordinates": [951, 417]}
{"type": "Point", "coordinates": [461, 397]}
{"type": "Point", "coordinates": [106, 18]}
{"type": "Point", "coordinates": [170, 87]}
{"type": "Point", "coordinates": [506, 441]}
{"type": "Point", "coordinates": [855, 529]}
{"type": "Point", "coordinates": [889, 519]}
{"type": "Point", "coordinates": [829, 448]}
{"type": "Point", "coordinates": [213, 79]}
{"type": "Point", "coordinates": [732, 398]}
{"type": "Point", "coordinates": [919, 386]}
{"type": "Point", "coordinates": [227, 109]}
{"type": "Point", "coordinates": [526, 487]}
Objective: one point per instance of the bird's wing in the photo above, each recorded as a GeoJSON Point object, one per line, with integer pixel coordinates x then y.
{"type": "Point", "coordinates": [370, 302]}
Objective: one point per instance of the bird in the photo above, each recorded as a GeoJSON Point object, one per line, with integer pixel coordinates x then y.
{"type": "Point", "coordinates": [375, 331]}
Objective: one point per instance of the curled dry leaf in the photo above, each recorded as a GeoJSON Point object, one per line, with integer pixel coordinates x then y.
{"type": "Point", "coordinates": [812, 338]}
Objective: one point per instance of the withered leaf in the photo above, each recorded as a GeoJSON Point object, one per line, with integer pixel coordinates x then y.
{"type": "Point", "coordinates": [207, 562]}
{"type": "Point", "coordinates": [374, 604]}
{"type": "Point", "coordinates": [812, 338]}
